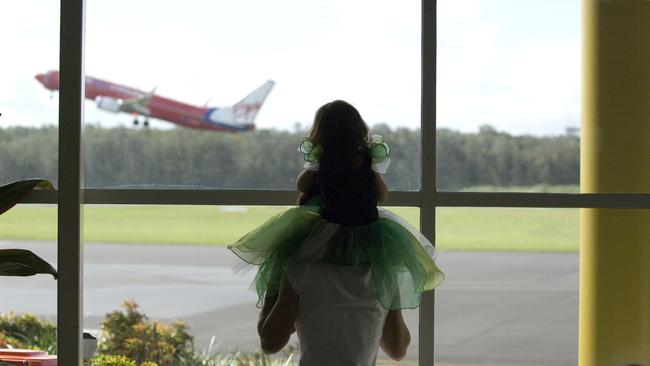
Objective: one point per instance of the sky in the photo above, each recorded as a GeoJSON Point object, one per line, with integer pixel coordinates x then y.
{"type": "Point", "coordinates": [513, 64]}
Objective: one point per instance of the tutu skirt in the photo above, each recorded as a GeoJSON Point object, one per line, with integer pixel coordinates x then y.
{"type": "Point", "coordinates": [401, 259]}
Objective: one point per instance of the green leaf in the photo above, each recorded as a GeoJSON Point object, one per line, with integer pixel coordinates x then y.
{"type": "Point", "coordinates": [21, 262]}
{"type": "Point", "coordinates": [12, 193]}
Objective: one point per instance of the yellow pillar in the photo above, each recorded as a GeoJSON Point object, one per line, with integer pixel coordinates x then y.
{"type": "Point", "coordinates": [615, 158]}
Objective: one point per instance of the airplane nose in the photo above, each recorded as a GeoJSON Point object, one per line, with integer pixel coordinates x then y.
{"type": "Point", "coordinates": [40, 78]}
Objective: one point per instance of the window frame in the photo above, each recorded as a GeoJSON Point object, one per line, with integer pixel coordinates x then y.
{"type": "Point", "coordinates": [70, 196]}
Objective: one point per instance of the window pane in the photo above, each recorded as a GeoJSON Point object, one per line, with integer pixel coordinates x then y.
{"type": "Point", "coordinates": [30, 227]}
{"type": "Point", "coordinates": [28, 149]}
{"type": "Point", "coordinates": [29, 111]}
{"type": "Point", "coordinates": [508, 95]}
{"type": "Point", "coordinates": [511, 290]}
{"type": "Point", "coordinates": [176, 60]}
{"type": "Point", "coordinates": [172, 261]}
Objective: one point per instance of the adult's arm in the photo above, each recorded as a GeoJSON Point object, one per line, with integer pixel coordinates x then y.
{"type": "Point", "coordinates": [277, 325]}
{"type": "Point", "coordinates": [395, 337]}
{"type": "Point", "coordinates": [269, 302]}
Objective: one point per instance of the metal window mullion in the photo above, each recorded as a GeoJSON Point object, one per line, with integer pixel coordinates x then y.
{"type": "Point", "coordinates": [219, 197]}
{"type": "Point", "coordinates": [428, 168]}
{"type": "Point", "coordinates": [543, 200]}
{"type": "Point", "coordinates": [70, 182]}
{"type": "Point", "coordinates": [396, 198]}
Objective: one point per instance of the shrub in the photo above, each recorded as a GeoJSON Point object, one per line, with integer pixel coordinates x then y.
{"type": "Point", "coordinates": [129, 338]}
{"type": "Point", "coordinates": [131, 334]}
{"type": "Point", "coordinates": [208, 357]}
{"type": "Point", "coordinates": [111, 360]}
{"type": "Point", "coordinates": [27, 331]}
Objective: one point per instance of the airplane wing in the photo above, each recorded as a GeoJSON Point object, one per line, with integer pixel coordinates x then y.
{"type": "Point", "coordinates": [138, 105]}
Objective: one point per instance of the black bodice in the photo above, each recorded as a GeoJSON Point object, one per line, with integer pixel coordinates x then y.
{"type": "Point", "coordinates": [348, 194]}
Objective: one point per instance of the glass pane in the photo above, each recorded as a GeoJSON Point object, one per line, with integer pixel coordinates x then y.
{"type": "Point", "coordinates": [196, 61]}
{"type": "Point", "coordinates": [28, 149]}
{"type": "Point", "coordinates": [30, 227]}
{"type": "Point", "coordinates": [172, 261]}
{"type": "Point", "coordinates": [509, 95]}
{"type": "Point", "coordinates": [29, 111]}
{"type": "Point", "coordinates": [510, 296]}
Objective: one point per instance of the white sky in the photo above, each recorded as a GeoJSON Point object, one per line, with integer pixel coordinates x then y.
{"type": "Point", "coordinates": [514, 64]}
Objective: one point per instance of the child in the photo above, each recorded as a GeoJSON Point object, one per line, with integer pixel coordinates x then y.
{"type": "Point", "coordinates": [337, 269]}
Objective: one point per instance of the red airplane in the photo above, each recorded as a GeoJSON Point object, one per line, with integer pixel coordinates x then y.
{"type": "Point", "coordinates": [119, 98]}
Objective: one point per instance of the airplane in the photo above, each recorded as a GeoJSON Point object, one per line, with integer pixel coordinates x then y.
{"type": "Point", "coordinates": [117, 98]}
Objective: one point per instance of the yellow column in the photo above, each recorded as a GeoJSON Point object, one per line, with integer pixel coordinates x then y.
{"type": "Point", "coordinates": [615, 158]}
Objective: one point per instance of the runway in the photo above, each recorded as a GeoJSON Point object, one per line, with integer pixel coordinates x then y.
{"type": "Point", "coordinates": [494, 308]}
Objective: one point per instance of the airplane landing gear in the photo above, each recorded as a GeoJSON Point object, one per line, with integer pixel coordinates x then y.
{"type": "Point", "coordinates": [145, 123]}
{"type": "Point", "coordinates": [136, 122]}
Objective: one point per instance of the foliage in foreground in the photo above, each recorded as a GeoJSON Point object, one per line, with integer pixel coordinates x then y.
{"type": "Point", "coordinates": [129, 338]}
{"type": "Point", "coordinates": [131, 334]}
{"type": "Point", "coordinates": [244, 359]}
{"type": "Point", "coordinates": [111, 360]}
{"type": "Point", "coordinates": [141, 342]}
{"type": "Point", "coordinates": [27, 331]}
{"type": "Point", "coordinates": [237, 358]}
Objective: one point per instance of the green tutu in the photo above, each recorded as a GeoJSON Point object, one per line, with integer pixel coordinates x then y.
{"type": "Point", "coordinates": [401, 259]}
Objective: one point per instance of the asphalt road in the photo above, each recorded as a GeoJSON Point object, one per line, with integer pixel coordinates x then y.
{"type": "Point", "coordinates": [498, 308]}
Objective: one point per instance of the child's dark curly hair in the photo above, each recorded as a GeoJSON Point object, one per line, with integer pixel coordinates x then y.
{"type": "Point", "coordinates": [341, 132]}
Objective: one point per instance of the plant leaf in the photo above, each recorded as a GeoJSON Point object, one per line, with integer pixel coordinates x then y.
{"type": "Point", "coordinates": [12, 193]}
{"type": "Point", "coordinates": [22, 262]}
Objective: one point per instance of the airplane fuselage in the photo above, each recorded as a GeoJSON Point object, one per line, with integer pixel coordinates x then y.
{"type": "Point", "coordinates": [170, 110]}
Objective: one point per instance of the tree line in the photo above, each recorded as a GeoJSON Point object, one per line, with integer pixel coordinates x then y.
{"type": "Point", "coordinates": [268, 159]}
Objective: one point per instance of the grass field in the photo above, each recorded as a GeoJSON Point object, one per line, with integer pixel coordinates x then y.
{"type": "Point", "coordinates": [457, 228]}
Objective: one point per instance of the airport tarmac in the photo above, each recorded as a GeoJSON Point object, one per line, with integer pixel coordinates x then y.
{"type": "Point", "coordinates": [494, 308]}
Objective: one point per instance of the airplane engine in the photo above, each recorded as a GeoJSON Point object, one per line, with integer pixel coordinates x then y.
{"type": "Point", "coordinates": [109, 104]}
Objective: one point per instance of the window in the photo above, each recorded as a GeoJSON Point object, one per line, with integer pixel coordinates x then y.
{"type": "Point", "coordinates": [508, 96]}
{"type": "Point", "coordinates": [511, 286]}
{"type": "Point", "coordinates": [186, 63]}
{"type": "Point", "coordinates": [28, 146]}
{"type": "Point", "coordinates": [428, 198]}
{"type": "Point", "coordinates": [29, 120]}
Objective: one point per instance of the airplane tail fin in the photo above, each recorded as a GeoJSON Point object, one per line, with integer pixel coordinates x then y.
{"type": "Point", "coordinates": [244, 111]}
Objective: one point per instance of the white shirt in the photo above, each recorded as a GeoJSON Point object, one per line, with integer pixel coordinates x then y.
{"type": "Point", "coordinates": [340, 319]}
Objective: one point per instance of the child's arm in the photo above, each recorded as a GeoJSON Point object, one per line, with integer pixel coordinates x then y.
{"type": "Point", "coordinates": [380, 186]}
{"type": "Point", "coordinates": [395, 337]}
{"type": "Point", "coordinates": [277, 319]}
{"type": "Point", "coordinates": [305, 180]}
